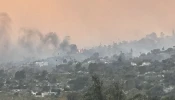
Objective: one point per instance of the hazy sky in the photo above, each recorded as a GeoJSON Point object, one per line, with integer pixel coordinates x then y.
{"type": "Point", "coordinates": [90, 22]}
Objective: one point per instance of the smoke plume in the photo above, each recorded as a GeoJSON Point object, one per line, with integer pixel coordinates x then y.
{"type": "Point", "coordinates": [5, 27]}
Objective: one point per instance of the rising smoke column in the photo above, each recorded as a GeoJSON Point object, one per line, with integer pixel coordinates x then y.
{"type": "Point", "coordinates": [5, 27]}
{"type": "Point", "coordinates": [30, 40]}
{"type": "Point", "coordinates": [64, 45]}
{"type": "Point", "coordinates": [51, 38]}
{"type": "Point", "coordinates": [33, 42]}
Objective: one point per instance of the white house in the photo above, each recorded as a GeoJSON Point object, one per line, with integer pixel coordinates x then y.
{"type": "Point", "coordinates": [41, 64]}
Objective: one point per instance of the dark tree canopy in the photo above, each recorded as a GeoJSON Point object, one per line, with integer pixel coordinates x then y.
{"type": "Point", "coordinates": [20, 75]}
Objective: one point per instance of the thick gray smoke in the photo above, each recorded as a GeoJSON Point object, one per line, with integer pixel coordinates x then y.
{"type": "Point", "coordinates": [30, 39]}
{"type": "Point", "coordinates": [31, 43]}
{"type": "Point", "coordinates": [5, 27]}
{"type": "Point", "coordinates": [51, 38]}
{"type": "Point", "coordinates": [35, 44]}
{"type": "Point", "coordinates": [64, 45]}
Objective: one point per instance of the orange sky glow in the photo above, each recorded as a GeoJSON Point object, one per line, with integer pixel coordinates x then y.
{"type": "Point", "coordinates": [91, 22]}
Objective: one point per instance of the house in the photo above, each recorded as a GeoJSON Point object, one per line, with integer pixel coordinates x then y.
{"type": "Point", "coordinates": [41, 64]}
{"type": "Point", "coordinates": [133, 64]}
{"type": "Point", "coordinates": [145, 64]}
{"type": "Point", "coordinates": [43, 94]}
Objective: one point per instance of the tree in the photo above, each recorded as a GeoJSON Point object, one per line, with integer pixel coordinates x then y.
{"type": "Point", "coordinates": [64, 61]}
{"type": "Point", "coordinates": [95, 55]}
{"type": "Point", "coordinates": [155, 91]}
{"type": "Point", "coordinates": [73, 48]}
{"type": "Point", "coordinates": [20, 75]}
{"type": "Point", "coordinates": [2, 73]}
{"type": "Point", "coordinates": [155, 51]}
{"type": "Point", "coordinates": [121, 57]}
{"type": "Point", "coordinates": [44, 74]}
{"type": "Point", "coordinates": [58, 91]}
{"type": "Point", "coordinates": [92, 67]}
{"type": "Point", "coordinates": [79, 83]}
{"type": "Point", "coordinates": [95, 91]}
{"type": "Point", "coordinates": [168, 98]}
{"type": "Point", "coordinates": [78, 66]}
{"type": "Point", "coordinates": [169, 50]}
{"type": "Point", "coordinates": [154, 98]}
{"type": "Point", "coordinates": [139, 97]}
{"type": "Point", "coordinates": [73, 96]}
{"type": "Point", "coordinates": [115, 92]}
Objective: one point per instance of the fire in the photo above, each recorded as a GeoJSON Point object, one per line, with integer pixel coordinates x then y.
{"type": "Point", "coordinates": [80, 50]}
